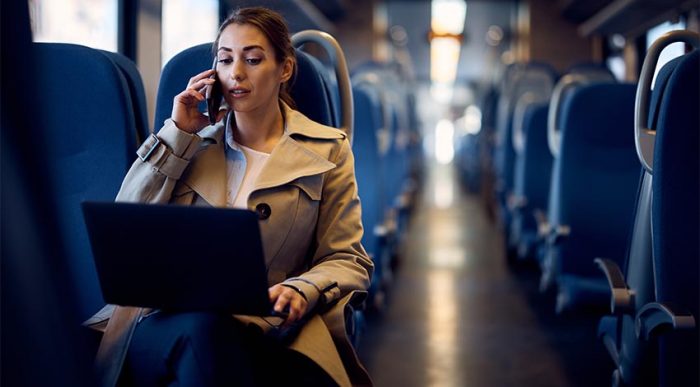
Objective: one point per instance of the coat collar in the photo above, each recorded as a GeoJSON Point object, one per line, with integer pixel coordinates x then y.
{"type": "Point", "coordinates": [289, 160]}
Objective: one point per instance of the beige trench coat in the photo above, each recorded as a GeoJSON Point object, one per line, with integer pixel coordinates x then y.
{"type": "Point", "coordinates": [306, 199]}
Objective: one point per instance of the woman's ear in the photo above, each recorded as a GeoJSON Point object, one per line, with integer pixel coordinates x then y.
{"type": "Point", "coordinates": [287, 70]}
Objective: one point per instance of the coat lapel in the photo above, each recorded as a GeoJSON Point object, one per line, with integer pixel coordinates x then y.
{"type": "Point", "coordinates": [207, 174]}
{"type": "Point", "coordinates": [288, 162]}
{"type": "Point", "coordinates": [290, 159]}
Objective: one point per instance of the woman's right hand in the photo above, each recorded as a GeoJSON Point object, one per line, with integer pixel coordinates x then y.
{"type": "Point", "coordinates": [185, 113]}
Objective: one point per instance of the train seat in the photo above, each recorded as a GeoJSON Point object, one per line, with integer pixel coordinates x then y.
{"type": "Point", "coordinates": [524, 243]}
{"type": "Point", "coordinates": [308, 87]}
{"type": "Point", "coordinates": [537, 80]}
{"type": "Point", "coordinates": [90, 147]}
{"type": "Point", "coordinates": [592, 192]}
{"type": "Point", "coordinates": [675, 229]}
{"type": "Point", "coordinates": [634, 359]}
{"type": "Point", "coordinates": [533, 170]}
{"type": "Point", "coordinates": [368, 172]}
{"type": "Point", "coordinates": [136, 89]}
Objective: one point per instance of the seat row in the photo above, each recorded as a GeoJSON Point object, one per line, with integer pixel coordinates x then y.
{"type": "Point", "coordinates": [597, 183]}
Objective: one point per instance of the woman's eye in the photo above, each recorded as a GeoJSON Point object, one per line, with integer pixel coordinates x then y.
{"type": "Point", "coordinates": [253, 61]}
{"type": "Point", "coordinates": [225, 60]}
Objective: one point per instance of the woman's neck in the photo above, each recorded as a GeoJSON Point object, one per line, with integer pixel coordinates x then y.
{"type": "Point", "coordinates": [260, 129]}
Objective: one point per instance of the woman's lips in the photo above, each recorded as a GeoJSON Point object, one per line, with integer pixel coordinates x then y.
{"type": "Point", "coordinates": [239, 92]}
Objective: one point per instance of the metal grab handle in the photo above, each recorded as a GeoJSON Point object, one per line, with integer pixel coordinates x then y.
{"type": "Point", "coordinates": [644, 138]}
{"type": "Point", "coordinates": [521, 106]}
{"type": "Point", "coordinates": [566, 82]}
{"type": "Point", "coordinates": [335, 52]}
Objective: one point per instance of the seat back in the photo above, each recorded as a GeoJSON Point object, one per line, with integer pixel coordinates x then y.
{"type": "Point", "coordinates": [308, 88]}
{"type": "Point", "coordinates": [174, 77]}
{"type": "Point", "coordinates": [368, 166]}
{"type": "Point", "coordinates": [537, 80]}
{"type": "Point", "coordinates": [136, 90]}
{"type": "Point", "coordinates": [41, 332]}
{"type": "Point", "coordinates": [594, 182]}
{"type": "Point", "coordinates": [675, 223]}
{"type": "Point", "coordinates": [90, 137]}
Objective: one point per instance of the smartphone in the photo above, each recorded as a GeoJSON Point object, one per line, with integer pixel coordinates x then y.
{"type": "Point", "coordinates": [214, 95]}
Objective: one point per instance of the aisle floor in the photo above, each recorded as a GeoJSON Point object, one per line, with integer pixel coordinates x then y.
{"type": "Point", "coordinates": [457, 315]}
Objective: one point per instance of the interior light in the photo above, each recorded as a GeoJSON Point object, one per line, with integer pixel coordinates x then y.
{"type": "Point", "coordinates": [448, 16]}
{"type": "Point", "coordinates": [447, 26]}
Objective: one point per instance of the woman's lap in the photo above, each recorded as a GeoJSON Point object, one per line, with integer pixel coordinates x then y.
{"type": "Point", "coordinates": [206, 349]}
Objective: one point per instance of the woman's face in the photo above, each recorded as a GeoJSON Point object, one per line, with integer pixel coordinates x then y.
{"type": "Point", "coordinates": [249, 72]}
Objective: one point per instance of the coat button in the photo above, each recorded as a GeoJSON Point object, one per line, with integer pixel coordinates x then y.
{"type": "Point", "coordinates": [263, 210]}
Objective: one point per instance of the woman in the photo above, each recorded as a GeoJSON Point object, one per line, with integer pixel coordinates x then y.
{"type": "Point", "coordinates": [299, 176]}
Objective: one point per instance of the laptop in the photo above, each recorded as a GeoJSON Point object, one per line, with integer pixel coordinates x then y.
{"type": "Point", "coordinates": [181, 258]}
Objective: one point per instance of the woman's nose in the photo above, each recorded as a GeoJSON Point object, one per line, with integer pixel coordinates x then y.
{"type": "Point", "coordinates": [237, 72]}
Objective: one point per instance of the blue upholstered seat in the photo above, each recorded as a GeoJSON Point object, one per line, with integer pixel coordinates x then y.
{"type": "Point", "coordinates": [538, 80]}
{"type": "Point", "coordinates": [368, 172]}
{"type": "Point", "coordinates": [136, 90]}
{"type": "Point", "coordinates": [592, 191]}
{"type": "Point", "coordinates": [90, 138]}
{"type": "Point", "coordinates": [309, 89]}
{"type": "Point", "coordinates": [675, 222]}
{"type": "Point", "coordinates": [635, 359]}
{"type": "Point", "coordinates": [533, 170]}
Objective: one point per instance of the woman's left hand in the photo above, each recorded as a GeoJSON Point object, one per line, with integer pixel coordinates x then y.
{"type": "Point", "coordinates": [283, 296]}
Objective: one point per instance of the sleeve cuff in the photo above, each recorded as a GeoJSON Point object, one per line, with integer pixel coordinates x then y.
{"type": "Point", "coordinates": [181, 143]}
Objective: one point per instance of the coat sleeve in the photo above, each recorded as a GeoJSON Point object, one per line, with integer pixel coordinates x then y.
{"type": "Point", "coordinates": [340, 263]}
{"type": "Point", "coordinates": [161, 161]}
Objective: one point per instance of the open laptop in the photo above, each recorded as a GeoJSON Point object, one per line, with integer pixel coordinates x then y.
{"type": "Point", "coordinates": [178, 257]}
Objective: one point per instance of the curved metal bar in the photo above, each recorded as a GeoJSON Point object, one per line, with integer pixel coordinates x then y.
{"type": "Point", "coordinates": [521, 106]}
{"type": "Point", "coordinates": [566, 82]}
{"type": "Point", "coordinates": [553, 131]}
{"type": "Point", "coordinates": [335, 52]}
{"type": "Point", "coordinates": [644, 138]}
{"type": "Point", "coordinates": [372, 80]}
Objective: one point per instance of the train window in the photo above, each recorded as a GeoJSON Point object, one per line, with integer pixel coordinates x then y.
{"type": "Point", "coordinates": [187, 23]}
{"type": "Point", "coordinates": [91, 23]}
{"type": "Point", "coordinates": [672, 51]}
{"type": "Point", "coordinates": [616, 61]}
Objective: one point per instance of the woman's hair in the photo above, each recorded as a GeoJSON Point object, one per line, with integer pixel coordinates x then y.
{"type": "Point", "coordinates": [274, 27]}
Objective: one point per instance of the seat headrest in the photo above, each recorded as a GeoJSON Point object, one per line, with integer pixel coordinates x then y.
{"type": "Point", "coordinates": [599, 114]}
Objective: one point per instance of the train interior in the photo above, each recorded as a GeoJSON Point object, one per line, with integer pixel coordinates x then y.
{"type": "Point", "coordinates": [528, 172]}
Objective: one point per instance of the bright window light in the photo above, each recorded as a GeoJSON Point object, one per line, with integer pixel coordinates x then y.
{"type": "Point", "coordinates": [444, 141]}
{"type": "Point", "coordinates": [91, 23]}
{"type": "Point", "coordinates": [447, 16]}
{"type": "Point", "coordinates": [671, 51]}
{"type": "Point", "coordinates": [179, 30]}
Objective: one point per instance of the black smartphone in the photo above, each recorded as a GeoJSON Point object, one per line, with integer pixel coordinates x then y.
{"type": "Point", "coordinates": [214, 95]}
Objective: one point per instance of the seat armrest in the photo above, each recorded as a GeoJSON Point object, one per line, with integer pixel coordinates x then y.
{"type": "Point", "coordinates": [622, 298]}
{"type": "Point", "coordinates": [557, 234]}
{"type": "Point", "coordinates": [543, 226]}
{"type": "Point", "coordinates": [654, 318]}
{"type": "Point", "coordinates": [516, 202]}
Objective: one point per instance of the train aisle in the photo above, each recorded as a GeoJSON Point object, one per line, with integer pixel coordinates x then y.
{"type": "Point", "coordinates": [457, 316]}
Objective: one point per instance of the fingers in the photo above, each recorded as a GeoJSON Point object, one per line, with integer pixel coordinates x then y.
{"type": "Point", "coordinates": [200, 85]}
{"type": "Point", "coordinates": [199, 77]}
{"type": "Point", "coordinates": [282, 297]}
